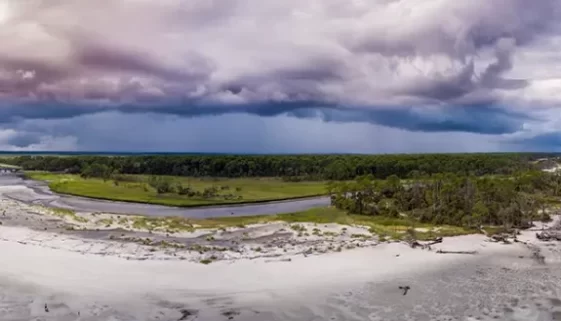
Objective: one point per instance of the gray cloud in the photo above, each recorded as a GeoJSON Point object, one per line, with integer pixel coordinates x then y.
{"type": "Point", "coordinates": [238, 133]}
{"type": "Point", "coordinates": [366, 55]}
{"type": "Point", "coordinates": [485, 119]}
{"type": "Point", "coordinates": [435, 66]}
{"type": "Point", "coordinates": [23, 139]}
{"type": "Point", "coordinates": [115, 60]}
{"type": "Point", "coordinates": [542, 142]}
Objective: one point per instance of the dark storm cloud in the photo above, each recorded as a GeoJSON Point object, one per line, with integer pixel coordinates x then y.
{"type": "Point", "coordinates": [235, 133]}
{"type": "Point", "coordinates": [473, 119]}
{"type": "Point", "coordinates": [542, 142]}
{"type": "Point", "coordinates": [24, 139]}
{"type": "Point", "coordinates": [321, 51]}
{"type": "Point", "coordinates": [429, 66]}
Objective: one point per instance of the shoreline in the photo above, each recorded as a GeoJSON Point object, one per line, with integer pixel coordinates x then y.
{"type": "Point", "coordinates": [134, 238]}
{"type": "Point", "coordinates": [84, 286]}
{"type": "Point", "coordinates": [81, 275]}
{"type": "Point", "coordinates": [40, 191]}
{"type": "Point", "coordinates": [137, 237]}
{"type": "Point", "coordinates": [36, 192]}
{"type": "Point", "coordinates": [37, 188]}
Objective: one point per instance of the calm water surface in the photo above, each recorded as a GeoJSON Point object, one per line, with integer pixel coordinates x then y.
{"type": "Point", "coordinates": [39, 193]}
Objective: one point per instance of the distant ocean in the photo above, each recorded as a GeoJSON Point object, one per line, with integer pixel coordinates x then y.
{"type": "Point", "coordinates": [115, 153]}
{"type": "Point", "coordinates": [124, 153]}
{"type": "Point", "coordinates": [118, 153]}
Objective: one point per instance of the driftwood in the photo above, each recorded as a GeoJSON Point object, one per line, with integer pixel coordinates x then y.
{"type": "Point", "coordinates": [505, 238]}
{"type": "Point", "coordinates": [500, 238]}
{"type": "Point", "coordinates": [426, 245]}
{"type": "Point", "coordinates": [456, 252]}
{"type": "Point", "coordinates": [230, 314]}
{"type": "Point", "coordinates": [435, 241]}
{"type": "Point", "coordinates": [548, 236]}
{"type": "Point", "coordinates": [185, 314]}
{"type": "Point", "coordinates": [415, 244]}
{"type": "Point", "coordinates": [405, 288]}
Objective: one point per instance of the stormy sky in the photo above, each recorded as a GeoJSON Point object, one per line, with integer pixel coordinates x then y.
{"type": "Point", "coordinates": [291, 76]}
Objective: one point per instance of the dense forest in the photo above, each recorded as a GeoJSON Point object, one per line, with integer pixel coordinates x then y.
{"type": "Point", "coordinates": [452, 199]}
{"type": "Point", "coordinates": [458, 189]}
{"type": "Point", "coordinates": [291, 167]}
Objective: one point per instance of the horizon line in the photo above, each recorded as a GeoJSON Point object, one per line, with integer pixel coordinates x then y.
{"type": "Point", "coordinates": [162, 153]}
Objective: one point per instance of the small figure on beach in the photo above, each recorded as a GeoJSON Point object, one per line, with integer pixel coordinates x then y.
{"type": "Point", "coordinates": [46, 308]}
{"type": "Point", "coordinates": [405, 289]}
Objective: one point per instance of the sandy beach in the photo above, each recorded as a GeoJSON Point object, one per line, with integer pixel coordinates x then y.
{"type": "Point", "coordinates": [50, 271]}
{"type": "Point", "coordinates": [288, 160]}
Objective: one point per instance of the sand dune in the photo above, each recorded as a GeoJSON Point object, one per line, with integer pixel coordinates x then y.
{"type": "Point", "coordinates": [352, 285]}
{"type": "Point", "coordinates": [58, 275]}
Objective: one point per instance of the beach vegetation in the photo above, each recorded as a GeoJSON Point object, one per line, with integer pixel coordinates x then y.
{"type": "Point", "coordinates": [394, 228]}
{"type": "Point", "coordinates": [67, 213]}
{"type": "Point", "coordinates": [179, 191]}
{"type": "Point", "coordinates": [463, 201]}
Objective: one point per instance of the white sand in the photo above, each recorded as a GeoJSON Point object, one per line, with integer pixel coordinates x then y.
{"type": "Point", "coordinates": [379, 262]}
{"type": "Point", "coordinates": [91, 279]}
{"type": "Point", "coordinates": [139, 289]}
{"type": "Point", "coordinates": [277, 240]}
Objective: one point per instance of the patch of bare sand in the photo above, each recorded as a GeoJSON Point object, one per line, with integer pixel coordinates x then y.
{"type": "Point", "coordinates": [99, 286]}
{"type": "Point", "coordinates": [120, 235]}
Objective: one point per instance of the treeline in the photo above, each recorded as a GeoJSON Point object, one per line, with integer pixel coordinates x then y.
{"type": "Point", "coordinates": [452, 199]}
{"type": "Point", "coordinates": [291, 167]}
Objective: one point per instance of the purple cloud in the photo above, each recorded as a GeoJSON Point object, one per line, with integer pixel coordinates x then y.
{"type": "Point", "coordinates": [63, 59]}
{"type": "Point", "coordinates": [370, 54]}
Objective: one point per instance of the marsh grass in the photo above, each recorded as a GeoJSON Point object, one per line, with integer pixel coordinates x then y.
{"type": "Point", "coordinates": [135, 188]}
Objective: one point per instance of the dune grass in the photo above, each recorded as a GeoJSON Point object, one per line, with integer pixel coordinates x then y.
{"type": "Point", "coordinates": [136, 189]}
{"type": "Point", "coordinates": [388, 228]}
{"type": "Point", "coordinates": [9, 166]}
{"type": "Point", "coordinates": [62, 212]}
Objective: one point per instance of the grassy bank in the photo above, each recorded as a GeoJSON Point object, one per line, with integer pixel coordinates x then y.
{"type": "Point", "coordinates": [136, 188]}
{"type": "Point", "coordinates": [9, 166]}
{"type": "Point", "coordinates": [388, 228]}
